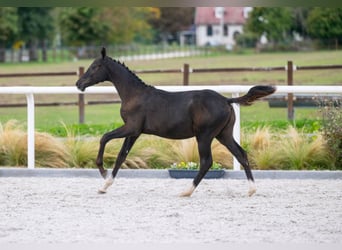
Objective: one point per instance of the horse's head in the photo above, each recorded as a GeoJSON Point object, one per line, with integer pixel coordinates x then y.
{"type": "Point", "coordinates": [95, 73]}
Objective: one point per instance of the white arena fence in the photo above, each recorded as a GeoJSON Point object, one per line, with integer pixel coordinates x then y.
{"type": "Point", "coordinates": [235, 90]}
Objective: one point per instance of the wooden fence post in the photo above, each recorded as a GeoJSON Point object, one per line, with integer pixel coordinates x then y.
{"type": "Point", "coordinates": [80, 99]}
{"type": "Point", "coordinates": [290, 109]}
{"type": "Point", "coordinates": [186, 74]}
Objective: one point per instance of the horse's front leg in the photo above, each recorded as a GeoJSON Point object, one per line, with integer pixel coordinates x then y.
{"type": "Point", "coordinates": [126, 147]}
{"type": "Point", "coordinates": [117, 133]}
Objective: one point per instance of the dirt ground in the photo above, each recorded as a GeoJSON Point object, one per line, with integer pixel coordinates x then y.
{"type": "Point", "coordinates": [69, 210]}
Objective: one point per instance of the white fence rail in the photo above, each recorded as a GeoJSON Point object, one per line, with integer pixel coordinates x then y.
{"type": "Point", "coordinates": [235, 90]}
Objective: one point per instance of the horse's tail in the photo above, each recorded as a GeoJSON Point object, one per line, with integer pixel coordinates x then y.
{"type": "Point", "coordinates": [253, 94]}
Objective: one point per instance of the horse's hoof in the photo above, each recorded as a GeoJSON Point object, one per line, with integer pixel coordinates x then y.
{"type": "Point", "coordinates": [104, 174]}
{"type": "Point", "coordinates": [101, 191]}
{"type": "Point", "coordinates": [187, 193]}
{"type": "Point", "coordinates": [251, 192]}
{"type": "Point", "coordinates": [184, 194]}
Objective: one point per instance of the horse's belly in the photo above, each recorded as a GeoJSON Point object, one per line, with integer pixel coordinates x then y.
{"type": "Point", "coordinates": [170, 130]}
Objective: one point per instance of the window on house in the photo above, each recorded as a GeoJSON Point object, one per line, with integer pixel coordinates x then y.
{"type": "Point", "coordinates": [225, 30]}
{"type": "Point", "coordinates": [209, 30]}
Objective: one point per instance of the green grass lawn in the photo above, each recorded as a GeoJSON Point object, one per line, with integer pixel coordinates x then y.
{"type": "Point", "coordinates": [107, 116]}
{"type": "Point", "coordinates": [219, 61]}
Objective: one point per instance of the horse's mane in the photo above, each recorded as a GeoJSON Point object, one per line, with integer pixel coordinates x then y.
{"type": "Point", "coordinates": [138, 80]}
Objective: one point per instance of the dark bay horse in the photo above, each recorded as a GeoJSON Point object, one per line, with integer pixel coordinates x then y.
{"type": "Point", "coordinates": [203, 114]}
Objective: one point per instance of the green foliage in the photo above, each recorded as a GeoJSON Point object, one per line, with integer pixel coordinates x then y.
{"type": "Point", "coordinates": [35, 23]}
{"type": "Point", "coordinates": [99, 26]}
{"type": "Point", "coordinates": [332, 128]}
{"type": "Point", "coordinates": [247, 40]}
{"type": "Point", "coordinates": [8, 24]}
{"type": "Point", "coordinates": [83, 25]}
{"type": "Point", "coordinates": [83, 129]}
{"type": "Point", "coordinates": [8, 28]}
{"type": "Point", "coordinates": [131, 24]}
{"type": "Point", "coordinates": [171, 21]}
{"type": "Point", "coordinates": [306, 125]}
{"type": "Point", "coordinates": [274, 22]}
{"type": "Point", "coordinates": [325, 23]}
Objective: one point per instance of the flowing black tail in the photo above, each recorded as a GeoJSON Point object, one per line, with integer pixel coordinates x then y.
{"type": "Point", "coordinates": [253, 94]}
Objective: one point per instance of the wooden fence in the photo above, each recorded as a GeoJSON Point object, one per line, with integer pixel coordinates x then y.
{"type": "Point", "coordinates": [186, 71]}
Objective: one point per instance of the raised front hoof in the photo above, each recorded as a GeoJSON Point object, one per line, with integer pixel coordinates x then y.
{"type": "Point", "coordinates": [101, 191]}
{"type": "Point", "coordinates": [104, 174]}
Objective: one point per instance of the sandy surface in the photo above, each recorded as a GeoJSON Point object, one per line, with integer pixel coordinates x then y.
{"type": "Point", "coordinates": [65, 210]}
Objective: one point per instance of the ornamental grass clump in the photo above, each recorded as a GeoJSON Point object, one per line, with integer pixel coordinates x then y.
{"type": "Point", "coordinates": [289, 150]}
{"type": "Point", "coordinates": [82, 150]}
{"type": "Point", "coordinates": [262, 150]}
{"type": "Point", "coordinates": [13, 146]}
{"type": "Point", "coordinates": [299, 151]}
{"type": "Point", "coordinates": [49, 151]}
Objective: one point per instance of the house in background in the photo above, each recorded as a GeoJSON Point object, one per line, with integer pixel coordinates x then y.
{"type": "Point", "coordinates": [219, 25]}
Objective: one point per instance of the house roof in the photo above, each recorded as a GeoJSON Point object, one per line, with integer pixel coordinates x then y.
{"type": "Point", "coordinates": [232, 15]}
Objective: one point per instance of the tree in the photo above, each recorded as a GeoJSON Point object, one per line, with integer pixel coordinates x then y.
{"type": "Point", "coordinates": [300, 15]}
{"type": "Point", "coordinates": [275, 23]}
{"type": "Point", "coordinates": [36, 25]}
{"type": "Point", "coordinates": [84, 25]}
{"type": "Point", "coordinates": [8, 28]}
{"type": "Point", "coordinates": [130, 24]}
{"type": "Point", "coordinates": [99, 26]}
{"type": "Point", "coordinates": [325, 24]}
{"type": "Point", "coordinates": [172, 20]}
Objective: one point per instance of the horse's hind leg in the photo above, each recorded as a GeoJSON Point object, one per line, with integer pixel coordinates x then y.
{"type": "Point", "coordinates": [206, 160]}
{"type": "Point", "coordinates": [126, 147]}
{"type": "Point", "coordinates": [240, 154]}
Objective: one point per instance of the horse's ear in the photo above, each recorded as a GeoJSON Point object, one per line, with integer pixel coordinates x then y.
{"type": "Point", "coordinates": [103, 52]}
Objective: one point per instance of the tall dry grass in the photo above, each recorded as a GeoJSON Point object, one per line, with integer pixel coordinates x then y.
{"type": "Point", "coordinates": [302, 152]}
{"type": "Point", "coordinates": [13, 149]}
{"type": "Point", "coordinates": [262, 152]}
{"type": "Point", "coordinates": [266, 149]}
{"type": "Point", "coordinates": [289, 150]}
{"type": "Point", "coordinates": [49, 151]}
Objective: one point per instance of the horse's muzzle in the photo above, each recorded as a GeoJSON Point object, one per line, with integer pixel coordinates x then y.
{"type": "Point", "coordinates": [80, 86]}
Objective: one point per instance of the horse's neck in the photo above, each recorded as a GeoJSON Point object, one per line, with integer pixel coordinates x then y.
{"type": "Point", "coordinates": [126, 83]}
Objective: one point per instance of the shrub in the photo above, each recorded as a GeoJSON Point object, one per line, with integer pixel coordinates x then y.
{"type": "Point", "coordinates": [332, 129]}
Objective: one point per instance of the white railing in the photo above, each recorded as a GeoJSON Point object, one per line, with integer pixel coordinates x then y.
{"type": "Point", "coordinates": [235, 90]}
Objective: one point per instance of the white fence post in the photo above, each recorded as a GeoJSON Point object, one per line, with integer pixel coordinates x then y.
{"type": "Point", "coordinates": [30, 131]}
{"type": "Point", "coordinates": [236, 130]}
